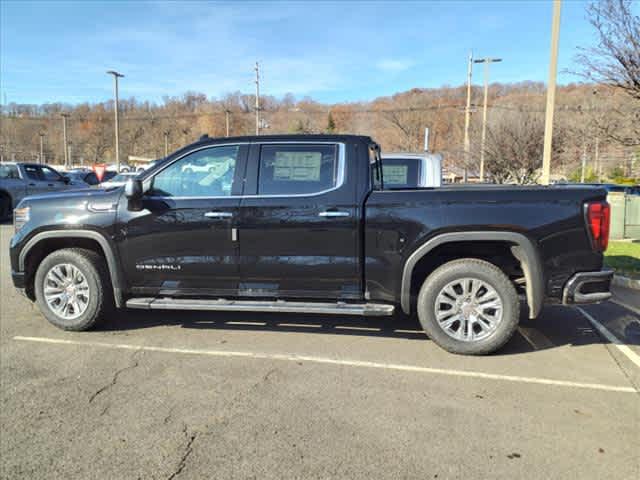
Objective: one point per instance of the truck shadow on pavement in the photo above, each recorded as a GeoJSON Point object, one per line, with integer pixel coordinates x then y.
{"type": "Point", "coordinates": [556, 326]}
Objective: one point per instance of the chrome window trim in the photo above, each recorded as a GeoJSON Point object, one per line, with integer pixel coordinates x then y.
{"type": "Point", "coordinates": [339, 181]}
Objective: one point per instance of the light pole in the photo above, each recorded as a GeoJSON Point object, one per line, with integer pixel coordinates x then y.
{"type": "Point", "coordinates": [166, 143]}
{"type": "Point", "coordinates": [41, 147]}
{"type": "Point", "coordinates": [486, 62]}
{"type": "Point", "coordinates": [64, 138]}
{"type": "Point", "coordinates": [551, 93]}
{"type": "Point", "coordinates": [69, 149]}
{"type": "Point", "coordinates": [227, 112]}
{"type": "Point", "coordinates": [257, 69]}
{"type": "Point", "coordinates": [116, 75]}
{"type": "Point", "coordinates": [467, 115]}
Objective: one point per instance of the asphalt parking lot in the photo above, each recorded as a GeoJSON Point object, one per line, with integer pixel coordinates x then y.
{"type": "Point", "coordinates": [211, 395]}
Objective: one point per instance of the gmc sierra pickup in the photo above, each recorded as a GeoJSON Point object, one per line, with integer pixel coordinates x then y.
{"type": "Point", "coordinates": [305, 224]}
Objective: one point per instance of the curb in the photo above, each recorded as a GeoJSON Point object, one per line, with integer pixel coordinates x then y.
{"type": "Point", "coordinates": [626, 282]}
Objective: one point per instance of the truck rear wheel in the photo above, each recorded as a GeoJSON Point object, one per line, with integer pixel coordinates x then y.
{"type": "Point", "coordinates": [468, 306]}
{"type": "Point", "coordinates": [73, 289]}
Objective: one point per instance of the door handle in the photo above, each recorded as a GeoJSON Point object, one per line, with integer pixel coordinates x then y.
{"type": "Point", "coordinates": [218, 214]}
{"type": "Point", "coordinates": [334, 213]}
{"type": "Point", "coordinates": [32, 184]}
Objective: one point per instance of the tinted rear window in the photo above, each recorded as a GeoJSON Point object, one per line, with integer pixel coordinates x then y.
{"type": "Point", "coordinates": [400, 172]}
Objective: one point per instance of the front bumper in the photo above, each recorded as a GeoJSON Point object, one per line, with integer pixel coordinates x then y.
{"type": "Point", "coordinates": [587, 287]}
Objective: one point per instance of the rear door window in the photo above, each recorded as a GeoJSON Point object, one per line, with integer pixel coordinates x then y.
{"type": "Point", "coordinates": [50, 175]}
{"type": "Point", "coordinates": [297, 169]}
{"type": "Point", "coordinates": [33, 172]}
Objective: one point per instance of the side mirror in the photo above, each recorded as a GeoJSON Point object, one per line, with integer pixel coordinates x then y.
{"type": "Point", "coordinates": [133, 189]}
{"type": "Point", "coordinates": [133, 192]}
{"type": "Point", "coordinates": [66, 180]}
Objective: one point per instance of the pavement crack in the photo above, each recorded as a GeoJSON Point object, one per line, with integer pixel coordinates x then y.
{"type": "Point", "coordinates": [114, 380]}
{"type": "Point", "coordinates": [169, 415]}
{"type": "Point", "coordinates": [267, 375]}
{"type": "Point", "coordinates": [185, 455]}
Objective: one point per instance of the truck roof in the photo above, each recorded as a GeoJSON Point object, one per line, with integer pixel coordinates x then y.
{"type": "Point", "coordinates": [285, 138]}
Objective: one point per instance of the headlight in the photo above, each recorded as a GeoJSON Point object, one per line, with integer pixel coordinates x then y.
{"type": "Point", "coordinates": [20, 217]}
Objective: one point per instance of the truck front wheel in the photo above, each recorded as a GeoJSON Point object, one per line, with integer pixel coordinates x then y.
{"type": "Point", "coordinates": [468, 306]}
{"type": "Point", "coordinates": [73, 289]}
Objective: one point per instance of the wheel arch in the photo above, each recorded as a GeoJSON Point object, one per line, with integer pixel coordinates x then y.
{"type": "Point", "coordinates": [44, 239]}
{"type": "Point", "coordinates": [6, 193]}
{"type": "Point", "coordinates": [522, 248]}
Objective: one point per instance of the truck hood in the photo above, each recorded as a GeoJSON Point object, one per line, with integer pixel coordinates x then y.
{"type": "Point", "coordinates": [87, 193]}
{"type": "Point", "coordinates": [73, 207]}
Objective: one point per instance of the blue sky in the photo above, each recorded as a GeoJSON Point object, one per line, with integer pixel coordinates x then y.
{"type": "Point", "coordinates": [344, 51]}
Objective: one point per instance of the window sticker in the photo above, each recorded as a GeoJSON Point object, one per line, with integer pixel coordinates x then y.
{"type": "Point", "coordinates": [297, 166]}
{"type": "Point", "coordinates": [395, 174]}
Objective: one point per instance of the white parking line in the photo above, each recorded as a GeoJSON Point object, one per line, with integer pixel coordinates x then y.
{"type": "Point", "coordinates": [250, 324]}
{"type": "Point", "coordinates": [630, 354]}
{"type": "Point", "coordinates": [625, 305]}
{"type": "Point", "coordinates": [300, 325]}
{"type": "Point", "coordinates": [334, 361]}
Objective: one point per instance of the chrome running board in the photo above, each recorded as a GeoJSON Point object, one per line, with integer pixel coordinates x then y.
{"type": "Point", "coordinates": [339, 308]}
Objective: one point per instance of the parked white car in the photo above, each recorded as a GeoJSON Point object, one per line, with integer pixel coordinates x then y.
{"type": "Point", "coordinates": [118, 180]}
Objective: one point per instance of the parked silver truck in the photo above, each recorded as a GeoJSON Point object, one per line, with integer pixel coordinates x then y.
{"type": "Point", "coordinates": [19, 180]}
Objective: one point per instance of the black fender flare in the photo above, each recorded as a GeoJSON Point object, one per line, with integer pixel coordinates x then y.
{"type": "Point", "coordinates": [523, 249]}
{"type": "Point", "coordinates": [112, 263]}
{"type": "Point", "coordinates": [7, 194]}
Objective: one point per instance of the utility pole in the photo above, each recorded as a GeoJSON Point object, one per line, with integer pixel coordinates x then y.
{"type": "Point", "coordinates": [551, 93]}
{"type": "Point", "coordinates": [116, 75]}
{"type": "Point", "coordinates": [584, 161]}
{"type": "Point", "coordinates": [42, 147]}
{"type": "Point", "coordinates": [597, 168]}
{"type": "Point", "coordinates": [69, 149]}
{"type": "Point", "coordinates": [467, 116]}
{"type": "Point", "coordinates": [227, 112]}
{"type": "Point", "coordinates": [257, 69]}
{"type": "Point", "coordinates": [166, 143]}
{"type": "Point", "coordinates": [486, 62]}
{"type": "Point", "coordinates": [64, 138]}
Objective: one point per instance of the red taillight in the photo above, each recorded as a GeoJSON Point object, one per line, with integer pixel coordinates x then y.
{"type": "Point", "coordinates": [598, 217]}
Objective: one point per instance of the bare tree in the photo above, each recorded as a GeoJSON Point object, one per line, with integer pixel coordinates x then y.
{"type": "Point", "coordinates": [515, 141]}
{"type": "Point", "coordinates": [615, 60]}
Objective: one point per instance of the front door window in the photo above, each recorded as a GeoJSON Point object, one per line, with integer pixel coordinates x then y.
{"type": "Point", "coordinates": [205, 173]}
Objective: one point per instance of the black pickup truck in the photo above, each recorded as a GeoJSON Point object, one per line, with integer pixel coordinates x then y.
{"type": "Point", "coordinates": [305, 224]}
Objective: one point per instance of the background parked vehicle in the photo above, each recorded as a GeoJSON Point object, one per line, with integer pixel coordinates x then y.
{"type": "Point", "coordinates": [118, 180]}
{"type": "Point", "coordinates": [17, 180]}
{"type": "Point", "coordinates": [88, 176]}
{"type": "Point", "coordinates": [412, 170]}
{"type": "Point", "coordinates": [124, 168]}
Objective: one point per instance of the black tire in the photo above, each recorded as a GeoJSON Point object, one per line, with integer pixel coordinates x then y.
{"type": "Point", "coordinates": [94, 269]}
{"type": "Point", "coordinates": [5, 207]}
{"type": "Point", "coordinates": [475, 269]}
